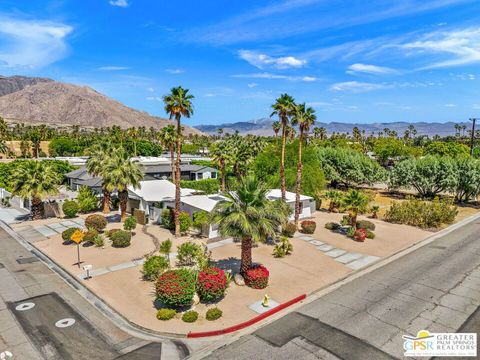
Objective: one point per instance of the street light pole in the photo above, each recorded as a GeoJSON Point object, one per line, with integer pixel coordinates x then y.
{"type": "Point", "coordinates": [472, 138]}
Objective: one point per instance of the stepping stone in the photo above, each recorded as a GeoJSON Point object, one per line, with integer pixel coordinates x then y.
{"type": "Point", "coordinates": [316, 242]}
{"type": "Point", "coordinates": [60, 229]}
{"type": "Point", "coordinates": [224, 242]}
{"type": "Point", "coordinates": [348, 257]}
{"type": "Point", "coordinates": [215, 245]}
{"type": "Point", "coordinates": [306, 238]}
{"type": "Point", "coordinates": [55, 225]}
{"type": "Point", "coordinates": [68, 223]}
{"type": "Point", "coordinates": [260, 309]}
{"type": "Point", "coordinates": [45, 231]}
{"type": "Point", "coordinates": [362, 262]}
{"type": "Point", "coordinates": [123, 266]}
{"type": "Point", "coordinates": [335, 253]}
{"type": "Point", "coordinates": [79, 221]}
{"type": "Point", "coordinates": [325, 248]}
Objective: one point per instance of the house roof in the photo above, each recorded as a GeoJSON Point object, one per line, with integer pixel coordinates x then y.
{"type": "Point", "coordinates": [202, 202]}
{"type": "Point", "coordinates": [156, 191]}
{"type": "Point", "coordinates": [276, 194]}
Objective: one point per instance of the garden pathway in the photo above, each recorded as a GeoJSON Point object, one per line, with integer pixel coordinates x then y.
{"type": "Point", "coordinates": [33, 233]}
{"type": "Point", "coordinates": [352, 260]}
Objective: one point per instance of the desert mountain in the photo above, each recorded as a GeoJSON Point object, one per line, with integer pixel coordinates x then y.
{"type": "Point", "coordinates": [44, 101]}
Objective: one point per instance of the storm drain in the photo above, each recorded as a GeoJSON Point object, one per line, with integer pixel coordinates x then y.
{"type": "Point", "coordinates": [27, 260]}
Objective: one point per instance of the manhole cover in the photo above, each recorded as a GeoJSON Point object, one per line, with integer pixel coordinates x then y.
{"type": "Point", "coordinates": [27, 260]}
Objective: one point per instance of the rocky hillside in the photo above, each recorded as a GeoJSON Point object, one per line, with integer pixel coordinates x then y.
{"type": "Point", "coordinates": [11, 84]}
{"type": "Point", "coordinates": [44, 101]}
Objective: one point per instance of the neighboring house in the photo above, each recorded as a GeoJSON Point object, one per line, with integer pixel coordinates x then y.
{"type": "Point", "coordinates": [307, 202]}
{"type": "Point", "coordinates": [81, 177]}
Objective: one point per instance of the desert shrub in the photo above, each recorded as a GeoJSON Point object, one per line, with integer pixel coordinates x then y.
{"type": "Point", "coordinates": [121, 238]}
{"type": "Point", "coordinates": [365, 224]}
{"type": "Point", "coordinates": [70, 208]}
{"type": "Point", "coordinates": [360, 235]}
{"type": "Point", "coordinates": [67, 234]}
{"type": "Point", "coordinates": [283, 248]}
{"type": "Point", "coordinates": [200, 219]}
{"type": "Point", "coordinates": [165, 247]}
{"type": "Point", "coordinates": [190, 316]}
{"type": "Point", "coordinates": [213, 314]}
{"type": "Point", "coordinates": [257, 277]}
{"type": "Point", "coordinates": [346, 220]}
{"type": "Point", "coordinates": [154, 266]}
{"type": "Point", "coordinates": [90, 235]}
{"type": "Point", "coordinates": [370, 234]}
{"type": "Point", "coordinates": [130, 223]}
{"type": "Point", "coordinates": [186, 221]}
{"type": "Point", "coordinates": [166, 314]}
{"type": "Point", "coordinates": [167, 219]}
{"type": "Point", "coordinates": [188, 253]}
{"type": "Point", "coordinates": [176, 287]}
{"type": "Point", "coordinates": [211, 284]}
{"type": "Point", "coordinates": [110, 233]}
{"type": "Point", "coordinates": [332, 226]}
{"type": "Point", "coordinates": [95, 221]}
{"type": "Point", "coordinates": [86, 199]}
{"type": "Point", "coordinates": [351, 232]}
{"type": "Point", "coordinates": [98, 240]}
{"type": "Point", "coordinates": [289, 229]}
{"type": "Point", "coordinates": [308, 226]}
{"type": "Point", "coordinates": [424, 214]}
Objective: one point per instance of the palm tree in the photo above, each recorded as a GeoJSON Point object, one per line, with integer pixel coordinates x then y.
{"type": "Point", "coordinates": [303, 117]}
{"type": "Point", "coordinates": [120, 173]}
{"type": "Point", "coordinates": [167, 137]}
{"type": "Point", "coordinates": [133, 133]}
{"type": "Point", "coordinates": [221, 155]}
{"type": "Point", "coordinates": [276, 126]}
{"type": "Point", "coordinates": [100, 156]}
{"type": "Point", "coordinates": [35, 180]}
{"type": "Point", "coordinates": [355, 202]}
{"type": "Point", "coordinates": [247, 214]}
{"type": "Point", "coordinates": [177, 104]}
{"type": "Point", "coordinates": [3, 147]}
{"type": "Point", "coordinates": [283, 107]}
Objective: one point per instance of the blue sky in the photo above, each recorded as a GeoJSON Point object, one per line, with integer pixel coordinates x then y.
{"type": "Point", "coordinates": [353, 61]}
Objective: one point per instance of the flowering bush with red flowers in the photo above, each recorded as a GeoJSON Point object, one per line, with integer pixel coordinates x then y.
{"type": "Point", "coordinates": [176, 288]}
{"type": "Point", "coordinates": [308, 226]}
{"type": "Point", "coordinates": [211, 284]}
{"type": "Point", "coordinates": [257, 277]}
{"type": "Point", "coordinates": [360, 235]}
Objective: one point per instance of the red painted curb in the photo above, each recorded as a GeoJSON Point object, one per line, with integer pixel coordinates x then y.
{"type": "Point", "coordinates": [248, 322]}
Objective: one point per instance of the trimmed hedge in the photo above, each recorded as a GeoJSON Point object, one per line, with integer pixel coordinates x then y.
{"type": "Point", "coordinates": [176, 288]}
{"type": "Point", "coordinates": [95, 221]}
{"type": "Point", "coordinates": [308, 226]}
{"type": "Point", "coordinates": [211, 284]}
{"type": "Point", "coordinates": [154, 266]}
{"type": "Point", "coordinates": [166, 314]}
{"type": "Point", "coordinates": [89, 236]}
{"type": "Point", "coordinates": [70, 208]}
{"type": "Point", "coordinates": [257, 277]}
{"type": "Point", "coordinates": [289, 229]}
{"type": "Point", "coordinates": [365, 224]}
{"type": "Point", "coordinates": [213, 314]}
{"type": "Point", "coordinates": [121, 238]}
{"type": "Point", "coordinates": [67, 234]}
{"type": "Point", "coordinates": [332, 226]}
{"type": "Point", "coordinates": [190, 316]}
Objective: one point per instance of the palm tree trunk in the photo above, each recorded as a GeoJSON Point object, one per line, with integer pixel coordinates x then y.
{"type": "Point", "coordinates": [176, 213]}
{"type": "Point", "coordinates": [298, 182]}
{"type": "Point", "coordinates": [123, 197]}
{"type": "Point", "coordinates": [106, 200]}
{"type": "Point", "coordinates": [222, 170]}
{"type": "Point", "coordinates": [354, 219]}
{"type": "Point", "coordinates": [282, 160]}
{"type": "Point", "coordinates": [246, 256]}
{"type": "Point", "coordinates": [38, 211]}
{"type": "Point", "coordinates": [172, 160]}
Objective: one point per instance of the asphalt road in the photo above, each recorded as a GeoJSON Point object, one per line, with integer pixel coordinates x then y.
{"type": "Point", "coordinates": [436, 288]}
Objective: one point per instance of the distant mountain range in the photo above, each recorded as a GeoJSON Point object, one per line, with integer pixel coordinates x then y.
{"type": "Point", "coordinates": [264, 127]}
{"type": "Point", "coordinates": [32, 100]}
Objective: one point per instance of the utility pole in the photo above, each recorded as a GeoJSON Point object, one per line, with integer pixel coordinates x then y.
{"type": "Point", "coordinates": [473, 120]}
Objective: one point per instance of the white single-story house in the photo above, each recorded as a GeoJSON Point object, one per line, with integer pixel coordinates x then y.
{"type": "Point", "coordinates": [307, 202]}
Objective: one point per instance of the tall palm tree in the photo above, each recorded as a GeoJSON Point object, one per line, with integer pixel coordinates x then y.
{"type": "Point", "coordinates": [221, 155]}
{"type": "Point", "coordinates": [168, 138]}
{"type": "Point", "coordinates": [100, 156]}
{"type": "Point", "coordinates": [283, 107]}
{"type": "Point", "coordinates": [120, 173]}
{"type": "Point", "coordinates": [177, 104]}
{"type": "Point", "coordinates": [355, 202]}
{"type": "Point", "coordinates": [247, 214]}
{"type": "Point", "coordinates": [276, 126]}
{"type": "Point", "coordinates": [304, 117]}
{"type": "Point", "coordinates": [133, 133]}
{"type": "Point", "coordinates": [35, 180]}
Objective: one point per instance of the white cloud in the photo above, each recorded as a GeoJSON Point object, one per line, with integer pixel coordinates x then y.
{"type": "Point", "coordinates": [462, 46]}
{"type": "Point", "coordinates": [174, 71]}
{"type": "Point", "coordinates": [31, 43]}
{"type": "Point", "coordinates": [357, 87]}
{"type": "Point", "coordinates": [262, 61]}
{"type": "Point", "coordinates": [252, 85]}
{"type": "Point", "coordinates": [266, 75]}
{"type": "Point", "coordinates": [119, 3]}
{"type": "Point", "coordinates": [370, 69]}
{"type": "Point", "coordinates": [153, 98]}
{"type": "Point", "coordinates": [449, 105]}
{"type": "Point", "coordinates": [476, 106]}
{"type": "Point", "coordinates": [113, 68]}
{"type": "Point", "coordinates": [150, 89]}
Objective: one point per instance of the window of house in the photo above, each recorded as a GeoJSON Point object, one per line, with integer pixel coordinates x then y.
{"type": "Point", "coordinates": [199, 176]}
{"type": "Point", "coordinates": [213, 175]}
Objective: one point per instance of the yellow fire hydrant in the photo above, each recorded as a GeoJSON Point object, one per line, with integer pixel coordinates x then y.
{"type": "Point", "coordinates": [265, 301]}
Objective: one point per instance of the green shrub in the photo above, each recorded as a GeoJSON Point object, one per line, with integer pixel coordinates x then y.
{"type": "Point", "coordinates": [130, 223]}
{"type": "Point", "coordinates": [189, 253]}
{"type": "Point", "coordinates": [365, 224]}
{"type": "Point", "coordinates": [346, 220]}
{"type": "Point", "coordinates": [209, 186]}
{"type": "Point", "coordinates": [424, 214]}
{"type": "Point", "coordinates": [176, 288]}
{"type": "Point", "coordinates": [308, 226]}
{"type": "Point", "coordinates": [154, 266]}
{"type": "Point", "coordinates": [200, 218]}
{"type": "Point", "coordinates": [351, 232]}
{"type": "Point", "coordinates": [283, 248]}
{"type": "Point", "coordinates": [121, 238]}
{"type": "Point", "coordinates": [95, 221]}
{"type": "Point", "coordinates": [67, 234]}
{"type": "Point", "coordinates": [370, 234]}
{"type": "Point", "coordinates": [110, 233]}
{"type": "Point", "coordinates": [332, 226]}
{"type": "Point", "coordinates": [86, 199]}
{"type": "Point", "coordinates": [165, 247]}
{"type": "Point", "coordinates": [213, 314]}
{"type": "Point", "coordinates": [70, 208]}
{"type": "Point", "coordinates": [167, 219]}
{"type": "Point", "coordinates": [98, 240]}
{"type": "Point", "coordinates": [166, 314]}
{"type": "Point", "coordinates": [190, 316]}
{"type": "Point", "coordinates": [289, 229]}
{"type": "Point", "coordinates": [211, 284]}
{"type": "Point", "coordinates": [186, 221]}
{"type": "Point", "coordinates": [90, 235]}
